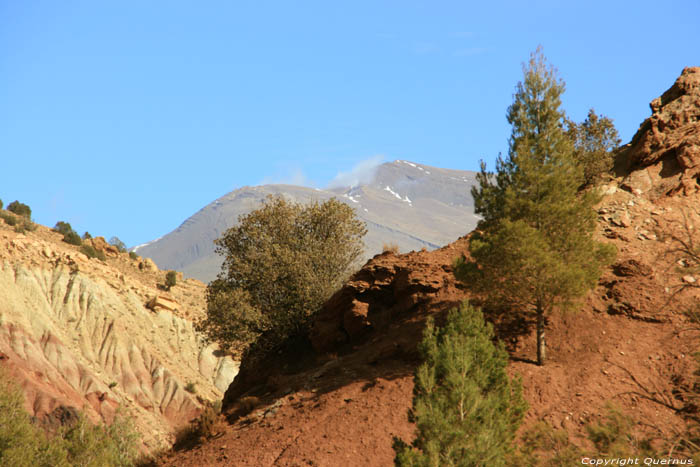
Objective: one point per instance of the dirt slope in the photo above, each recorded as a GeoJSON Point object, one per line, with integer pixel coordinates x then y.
{"type": "Point", "coordinates": [341, 399]}
{"type": "Point", "coordinates": [76, 332]}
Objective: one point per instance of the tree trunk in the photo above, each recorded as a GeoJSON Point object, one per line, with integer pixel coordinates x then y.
{"type": "Point", "coordinates": [541, 349]}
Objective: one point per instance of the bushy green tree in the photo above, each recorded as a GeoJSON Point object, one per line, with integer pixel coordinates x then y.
{"type": "Point", "coordinates": [595, 140]}
{"type": "Point", "coordinates": [281, 262]}
{"type": "Point", "coordinates": [20, 209]}
{"type": "Point", "coordinates": [465, 406]}
{"type": "Point", "coordinates": [533, 250]}
{"type": "Point", "coordinates": [87, 236]}
{"type": "Point", "coordinates": [1, 204]}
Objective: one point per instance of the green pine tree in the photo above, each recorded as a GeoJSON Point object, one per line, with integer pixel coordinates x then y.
{"type": "Point", "coordinates": [533, 250]}
{"type": "Point", "coordinates": [465, 406]}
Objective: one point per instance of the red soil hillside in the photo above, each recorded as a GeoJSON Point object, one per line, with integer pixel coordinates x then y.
{"type": "Point", "coordinates": [341, 399]}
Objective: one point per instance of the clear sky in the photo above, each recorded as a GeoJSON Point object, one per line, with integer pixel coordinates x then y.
{"type": "Point", "coordinates": [125, 117]}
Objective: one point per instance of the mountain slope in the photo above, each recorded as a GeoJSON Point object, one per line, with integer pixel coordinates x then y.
{"type": "Point", "coordinates": [77, 333]}
{"type": "Point", "coordinates": [411, 205]}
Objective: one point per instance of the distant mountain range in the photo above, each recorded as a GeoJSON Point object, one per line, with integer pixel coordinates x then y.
{"type": "Point", "coordinates": [410, 205]}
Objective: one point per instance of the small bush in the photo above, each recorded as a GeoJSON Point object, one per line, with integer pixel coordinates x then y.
{"type": "Point", "coordinates": [87, 236]}
{"type": "Point", "coordinates": [20, 209]}
{"type": "Point", "coordinates": [170, 279]}
{"type": "Point", "coordinates": [91, 252]}
{"type": "Point", "coordinates": [1, 204]}
{"type": "Point", "coordinates": [112, 385]}
{"type": "Point", "coordinates": [133, 255]}
{"type": "Point", "coordinates": [390, 248]}
{"type": "Point", "coordinates": [24, 226]}
{"type": "Point", "coordinates": [9, 219]}
{"type": "Point", "coordinates": [191, 388]}
{"type": "Point", "coordinates": [203, 428]}
{"type": "Point", "coordinates": [72, 238]}
{"type": "Point", "coordinates": [63, 227]}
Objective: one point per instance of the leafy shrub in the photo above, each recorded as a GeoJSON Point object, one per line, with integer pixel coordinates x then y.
{"type": "Point", "coordinates": [23, 443]}
{"type": "Point", "coordinates": [281, 262]}
{"type": "Point", "coordinates": [191, 388]}
{"type": "Point", "coordinates": [465, 406]}
{"type": "Point", "coordinates": [133, 255]}
{"type": "Point", "coordinates": [9, 219]}
{"type": "Point", "coordinates": [20, 209]}
{"type": "Point", "coordinates": [87, 236]}
{"type": "Point", "coordinates": [91, 252]}
{"type": "Point", "coordinates": [72, 238]}
{"type": "Point", "coordinates": [170, 279]}
{"type": "Point", "coordinates": [121, 246]}
{"type": "Point", "coordinates": [1, 204]}
{"type": "Point", "coordinates": [63, 227]}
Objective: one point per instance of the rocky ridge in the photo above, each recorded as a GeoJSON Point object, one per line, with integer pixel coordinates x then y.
{"type": "Point", "coordinates": [77, 333]}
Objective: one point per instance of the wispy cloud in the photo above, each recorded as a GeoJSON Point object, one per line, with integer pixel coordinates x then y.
{"type": "Point", "coordinates": [362, 172]}
{"type": "Point", "coordinates": [293, 176]}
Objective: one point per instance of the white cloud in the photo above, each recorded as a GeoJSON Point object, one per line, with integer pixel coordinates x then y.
{"type": "Point", "coordinates": [363, 172]}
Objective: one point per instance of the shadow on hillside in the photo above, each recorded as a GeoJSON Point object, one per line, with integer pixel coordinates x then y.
{"type": "Point", "coordinates": [386, 353]}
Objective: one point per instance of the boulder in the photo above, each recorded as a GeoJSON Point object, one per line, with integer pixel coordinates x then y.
{"type": "Point", "coordinates": [100, 244]}
{"type": "Point", "coordinates": [162, 302]}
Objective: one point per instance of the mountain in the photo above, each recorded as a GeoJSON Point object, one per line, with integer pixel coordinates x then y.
{"type": "Point", "coordinates": [411, 205]}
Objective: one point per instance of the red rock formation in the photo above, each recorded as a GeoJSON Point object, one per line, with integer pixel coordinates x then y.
{"type": "Point", "coordinates": [664, 155]}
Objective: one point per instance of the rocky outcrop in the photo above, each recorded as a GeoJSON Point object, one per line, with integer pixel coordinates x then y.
{"type": "Point", "coordinates": [385, 288]}
{"type": "Point", "coordinates": [664, 155]}
{"type": "Point", "coordinates": [75, 333]}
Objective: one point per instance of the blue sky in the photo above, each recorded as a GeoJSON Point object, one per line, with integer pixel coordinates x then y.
{"type": "Point", "coordinates": [124, 118]}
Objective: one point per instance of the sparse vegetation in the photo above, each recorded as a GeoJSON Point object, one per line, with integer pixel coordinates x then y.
{"type": "Point", "coordinates": [170, 279]}
{"type": "Point", "coordinates": [1, 205]}
{"type": "Point", "coordinates": [91, 252]}
{"type": "Point", "coordinates": [20, 209]}
{"type": "Point", "coordinates": [533, 251]}
{"type": "Point", "coordinates": [465, 406]}
{"type": "Point", "coordinates": [87, 236]}
{"type": "Point", "coordinates": [390, 248]}
{"type": "Point", "coordinates": [70, 236]}
{"type": "Point", "coordinates": [191, 387]}
{"type": "Point", "coordinates": [10, 219]}
{"type": "Point", "coordinates": [25, 225]}
{"type": "Point", "coordinates": [199, 430]}
{"type": "Point", "coordinates": [281, 262]}
{"type": "Point", "coordinates": [23, 443]}
{"type": "Point", "coordinates": [133, 255]}
{"type": "Point", "coordinates": [594, 140]}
